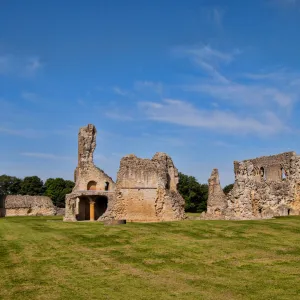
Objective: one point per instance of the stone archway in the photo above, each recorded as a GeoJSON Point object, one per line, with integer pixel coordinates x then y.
{"type": "Point", "coordinates": [101, 203]}
{"type": "Point", "coordinates": [92, 186]}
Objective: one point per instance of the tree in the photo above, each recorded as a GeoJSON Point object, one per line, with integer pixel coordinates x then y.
{"type": "Point", "coordinates": [32, 185]}
{"type": "Point", "coordinates": [194, 193]}
{"type": "Point", "coordinates": [10, 185]}
{"type": "Point", "coordinates": [57, 188]}
{"type": "Point", "coordinates": [228, 188]}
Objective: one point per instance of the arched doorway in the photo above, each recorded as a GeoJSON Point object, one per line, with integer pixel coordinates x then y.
{"type": "Point", "coordinates": [84, 209]}
{"type": "Point", "coordinates": [91, 186]}
{"type": "Point", "coordinates": [100, 206]}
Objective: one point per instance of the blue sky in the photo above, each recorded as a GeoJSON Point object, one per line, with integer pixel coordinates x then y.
{"type": "Point", "coordinates": [208, 82]}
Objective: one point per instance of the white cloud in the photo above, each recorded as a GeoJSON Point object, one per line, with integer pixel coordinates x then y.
{"type": "Point", "coordinates": [263, 88]}
{"type": "Point", "coordinates": [31, 97]}
{"type": "Point", "coordinates": [115, 115]}
{"type": "Point", "coordinates": [156, 87]}
{"type": "Point", "coordinates": [217, 16]}
{"type": "Point", "coordinates": [244, 94]}
{"type": "Point", "coordinates": [295, 82]}
{"type": "Point", "coordinates": [11, 65]}
{"type": "Point", "coordinates": [81, 102]}
{"type": "Point", "coordinates": [223, 144]}
{"type": "Point", "coordinates": [184, 113]}
{"type": "Point", "coordinates": [119, 91]}
{"type": "Point", "coordinates": [286, 2]}
{"type": "Point", "coordinates": [5, 64]}
{"type": "Point", "coordinates": [33, 65]}
{"type": "Point", "coordinates": [259, 102]}
{"type": "Point", "coordinates": [45, 155]}
{"type": "Point", "coordinates": [208, 59]}
{"type": "Point", "coordinates": [26, 133]}
{"type": "Point", "coordinates": [207, 54]}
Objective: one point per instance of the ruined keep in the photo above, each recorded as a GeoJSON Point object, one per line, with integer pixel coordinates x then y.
{"type": "Point", "coordinates": [264, 187]}
{"type": "Point", "coordinates": [145, 191]}
{"type": "Point", "coordinates": [19, 205]}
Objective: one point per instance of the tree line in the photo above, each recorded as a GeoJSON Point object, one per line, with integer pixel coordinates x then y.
{"type": "Point", "coordinates": [194, 193]}
{"type": "Point", "coordinates": [55, 188]}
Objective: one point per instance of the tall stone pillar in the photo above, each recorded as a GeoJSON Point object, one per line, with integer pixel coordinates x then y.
{"type": "Point", "coordinates": [216, 202]}
{"type": "Point", "coordinates": [92, 210]}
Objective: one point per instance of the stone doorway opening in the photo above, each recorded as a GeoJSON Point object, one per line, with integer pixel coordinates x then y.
{"type": "Point", "coordinates": [100, 206]}
{"type": "Point", "coordinates": [84, 209]}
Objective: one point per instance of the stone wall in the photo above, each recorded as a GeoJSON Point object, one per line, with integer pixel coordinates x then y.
{"type": "Point", "coordinates": [19, 205]}
{"type": "Point", "coordinates": [264, 187]}
{"type": "Point", "coordinates": [217, 201]}
{"type": "Point", "coordinates": [146, 190]}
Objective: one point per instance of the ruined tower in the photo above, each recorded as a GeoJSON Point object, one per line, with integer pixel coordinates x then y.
{"type": "Point", "coordinates": [217, 202]}
{"type": "Point", "coordinates": [264, 187]}
{"type": "Point", "coordinates": [146, 189]}
{"type": "Point", "coordinates": [93, 190]}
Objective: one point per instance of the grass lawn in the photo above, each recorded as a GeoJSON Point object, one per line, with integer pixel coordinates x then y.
{"type": "Point", "coordinates": [44, 258]}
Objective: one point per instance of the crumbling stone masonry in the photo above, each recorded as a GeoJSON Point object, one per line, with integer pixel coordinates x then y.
{"type": "Point", "coordinates": [264, 187]}
{"type": "Point", "coordinates": [145, 191]}
{"type": "Point", "coordinates": [216, 202]}
{"type": "Point", "coordinates": [18, 205]}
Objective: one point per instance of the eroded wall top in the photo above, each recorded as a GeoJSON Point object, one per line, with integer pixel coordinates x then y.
{"type": "Point", "coordinates": [87, 175]}
{"type": "Point", "coordinates": [86, 144]}
{"type": "Point", "coordinates": [268, 168]}
{"type": "Point", "coordinates": [157, 172]}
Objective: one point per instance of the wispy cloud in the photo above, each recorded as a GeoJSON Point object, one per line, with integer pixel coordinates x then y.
{"type": "Point", "coordinates": [11, 65]}
{"type": "Point", "coordinates": [208, 59]}
{"type": "Point", "coordinates": [115, 115]}
{"type": "Point", "coordinates": [223, 144]}
{"type": "Point", "coordinates": [31, 97]}
{"type": "Point", "coordinates": [285, 2]}
{"type": "Point", "coordinates": [244, 94]}
{"type": "Point", "coordinates": [121, 92]}
{"type": "Point", "coordinates": [33, 133]}
{"type": "Point", "coordinates": [184, 113]}
{"type": "Point", "coordinates": [26, 133]}
{"type": "Point", "coordinates": [248, 88]}
{"type": "Point", "coordinates": [289, 5]}
{"type": "Point", "coordinates": [32, 66]}
{"type": "Point", "coordinates": [216, 15]}
{"type": "Point", "coordinates": [156, 87]}
{"type": "Point", "coordinates": [45, 155]}
{"type": "Point", "coordinates": [81, 102]}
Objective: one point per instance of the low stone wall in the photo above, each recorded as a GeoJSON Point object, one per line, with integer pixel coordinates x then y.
{"type": "Point", "coordinates": [60, 211]}
{"type": "Point", "coordinates": [19, 205]}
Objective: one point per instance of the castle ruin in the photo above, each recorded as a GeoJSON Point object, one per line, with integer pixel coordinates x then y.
{"type": "Point", "coordinates": [145, 191]}
{"type": "Point", "coordinates": [24, 205]}
{"type": "Point", "coordinates": [264, 187]}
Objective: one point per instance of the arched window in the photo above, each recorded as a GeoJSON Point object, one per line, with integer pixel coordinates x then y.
{"type": "Point", "coordinates": [106, 186]}
{"type": "Point", "coordinates": [91, 186]}
{"type": "Point", "coordinates": [283, 174]}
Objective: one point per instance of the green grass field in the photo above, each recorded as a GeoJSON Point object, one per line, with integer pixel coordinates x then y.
{"type": "Point", "coordinates": [44, 258]}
